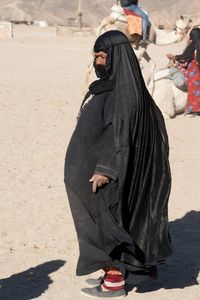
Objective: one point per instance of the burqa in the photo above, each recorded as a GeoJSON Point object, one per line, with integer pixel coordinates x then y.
{"type": "Point", "coordinates": [120, 133]}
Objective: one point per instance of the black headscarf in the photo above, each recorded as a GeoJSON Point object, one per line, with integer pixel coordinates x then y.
{"type": "Point", "coordinates": [189, 51]}
{"type": "Point", "coordinates": [141, 144]}
{"type": "Point", "coordinates": [125, 3]}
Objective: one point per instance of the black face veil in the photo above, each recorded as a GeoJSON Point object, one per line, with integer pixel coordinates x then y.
{"type": "Point", "coordinates": [141, 144]}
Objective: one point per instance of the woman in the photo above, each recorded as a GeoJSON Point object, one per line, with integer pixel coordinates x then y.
{"type": "Point", "coordinates": [117, 174]}
{"type": "Point", "coordinates": [189, 64]}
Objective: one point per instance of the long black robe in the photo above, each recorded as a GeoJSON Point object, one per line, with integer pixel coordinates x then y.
{"type": "Point", "coordinates": [120, 133]}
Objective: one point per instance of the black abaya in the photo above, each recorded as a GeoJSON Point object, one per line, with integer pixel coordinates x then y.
{"type": "Point", "coordinates": [121, 134]}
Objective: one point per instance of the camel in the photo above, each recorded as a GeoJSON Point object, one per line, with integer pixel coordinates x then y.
{"type": "Point", "coordinates": [171, 100]}
{"type": "Point", "coordinates": [182, 28]}
{"type": "Point", "coordinates": [117, 20]}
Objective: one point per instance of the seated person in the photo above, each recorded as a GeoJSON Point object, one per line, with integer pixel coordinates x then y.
{"type": "Point", "coordinates": [189, 64]}
{"type": "Point", "coordinates": [132, 5]}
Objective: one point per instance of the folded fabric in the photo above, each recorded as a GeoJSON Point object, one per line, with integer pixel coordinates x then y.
{"type": "Point", "coordinates": [178, 79]}
{"type": "Point", "coordinates": [134, 22]}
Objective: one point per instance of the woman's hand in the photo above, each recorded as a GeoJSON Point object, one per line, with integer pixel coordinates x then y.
{"type": "Point", "coordinates": [171, 56]}
{"type": "Point", "coordinates": [98, 181]}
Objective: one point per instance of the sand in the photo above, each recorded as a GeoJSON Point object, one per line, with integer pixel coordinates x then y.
{"type": "Point", "coordinates": [41, 80]}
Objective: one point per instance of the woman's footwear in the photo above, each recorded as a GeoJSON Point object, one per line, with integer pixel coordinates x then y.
{"type": "Point", "coordinates": [98, 292]}
{"type": "Point", "coordinates": [94, 282]}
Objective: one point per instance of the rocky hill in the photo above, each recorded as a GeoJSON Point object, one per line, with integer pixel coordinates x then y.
{"type": "Point", "coordinates": [61, 11]}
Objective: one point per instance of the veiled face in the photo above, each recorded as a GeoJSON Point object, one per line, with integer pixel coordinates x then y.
{"type": "Point", "coordinates": [114, 52]}
{"type": "Point", "coordinates": [100, 58]}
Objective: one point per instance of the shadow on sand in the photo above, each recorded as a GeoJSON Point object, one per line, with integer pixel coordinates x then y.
{"type": "Point", "coordinates": [181, 269]}
{"type": "Point", "coordinates": [183, 266]}
{"type": "Point", "coordinates": [29, 284]}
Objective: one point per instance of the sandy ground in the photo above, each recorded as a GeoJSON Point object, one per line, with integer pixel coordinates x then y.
{"type": "Point", "coordinates": [41, 79]}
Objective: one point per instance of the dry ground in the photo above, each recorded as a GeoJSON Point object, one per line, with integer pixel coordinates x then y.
{"type": "Point", "coordinates": [41, 80]}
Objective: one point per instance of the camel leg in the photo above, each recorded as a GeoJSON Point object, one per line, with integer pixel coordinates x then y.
{"type": "Point", "coordinates": [151, 64]}
{"type": "Point", "coordinates": [149, 60]}
{"type": "Point", "coordinates": [151, 86]}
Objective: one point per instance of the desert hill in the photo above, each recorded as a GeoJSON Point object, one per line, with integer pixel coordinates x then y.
{"type": "Point", "coordinates": [60, 11]}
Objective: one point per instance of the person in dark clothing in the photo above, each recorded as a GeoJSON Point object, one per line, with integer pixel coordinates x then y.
{"type": "Point", "coordinates": [117, 174]}
{"type": "Point", "coordinates": [133, 6]}
{"type": "Point", "coordinates": [189, 64]}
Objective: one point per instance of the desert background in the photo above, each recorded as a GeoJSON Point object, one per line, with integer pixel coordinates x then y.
{"type": "Point", "coordinates": [41, 84]}
{"type": "Point", "coordinates": [61, 11]}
